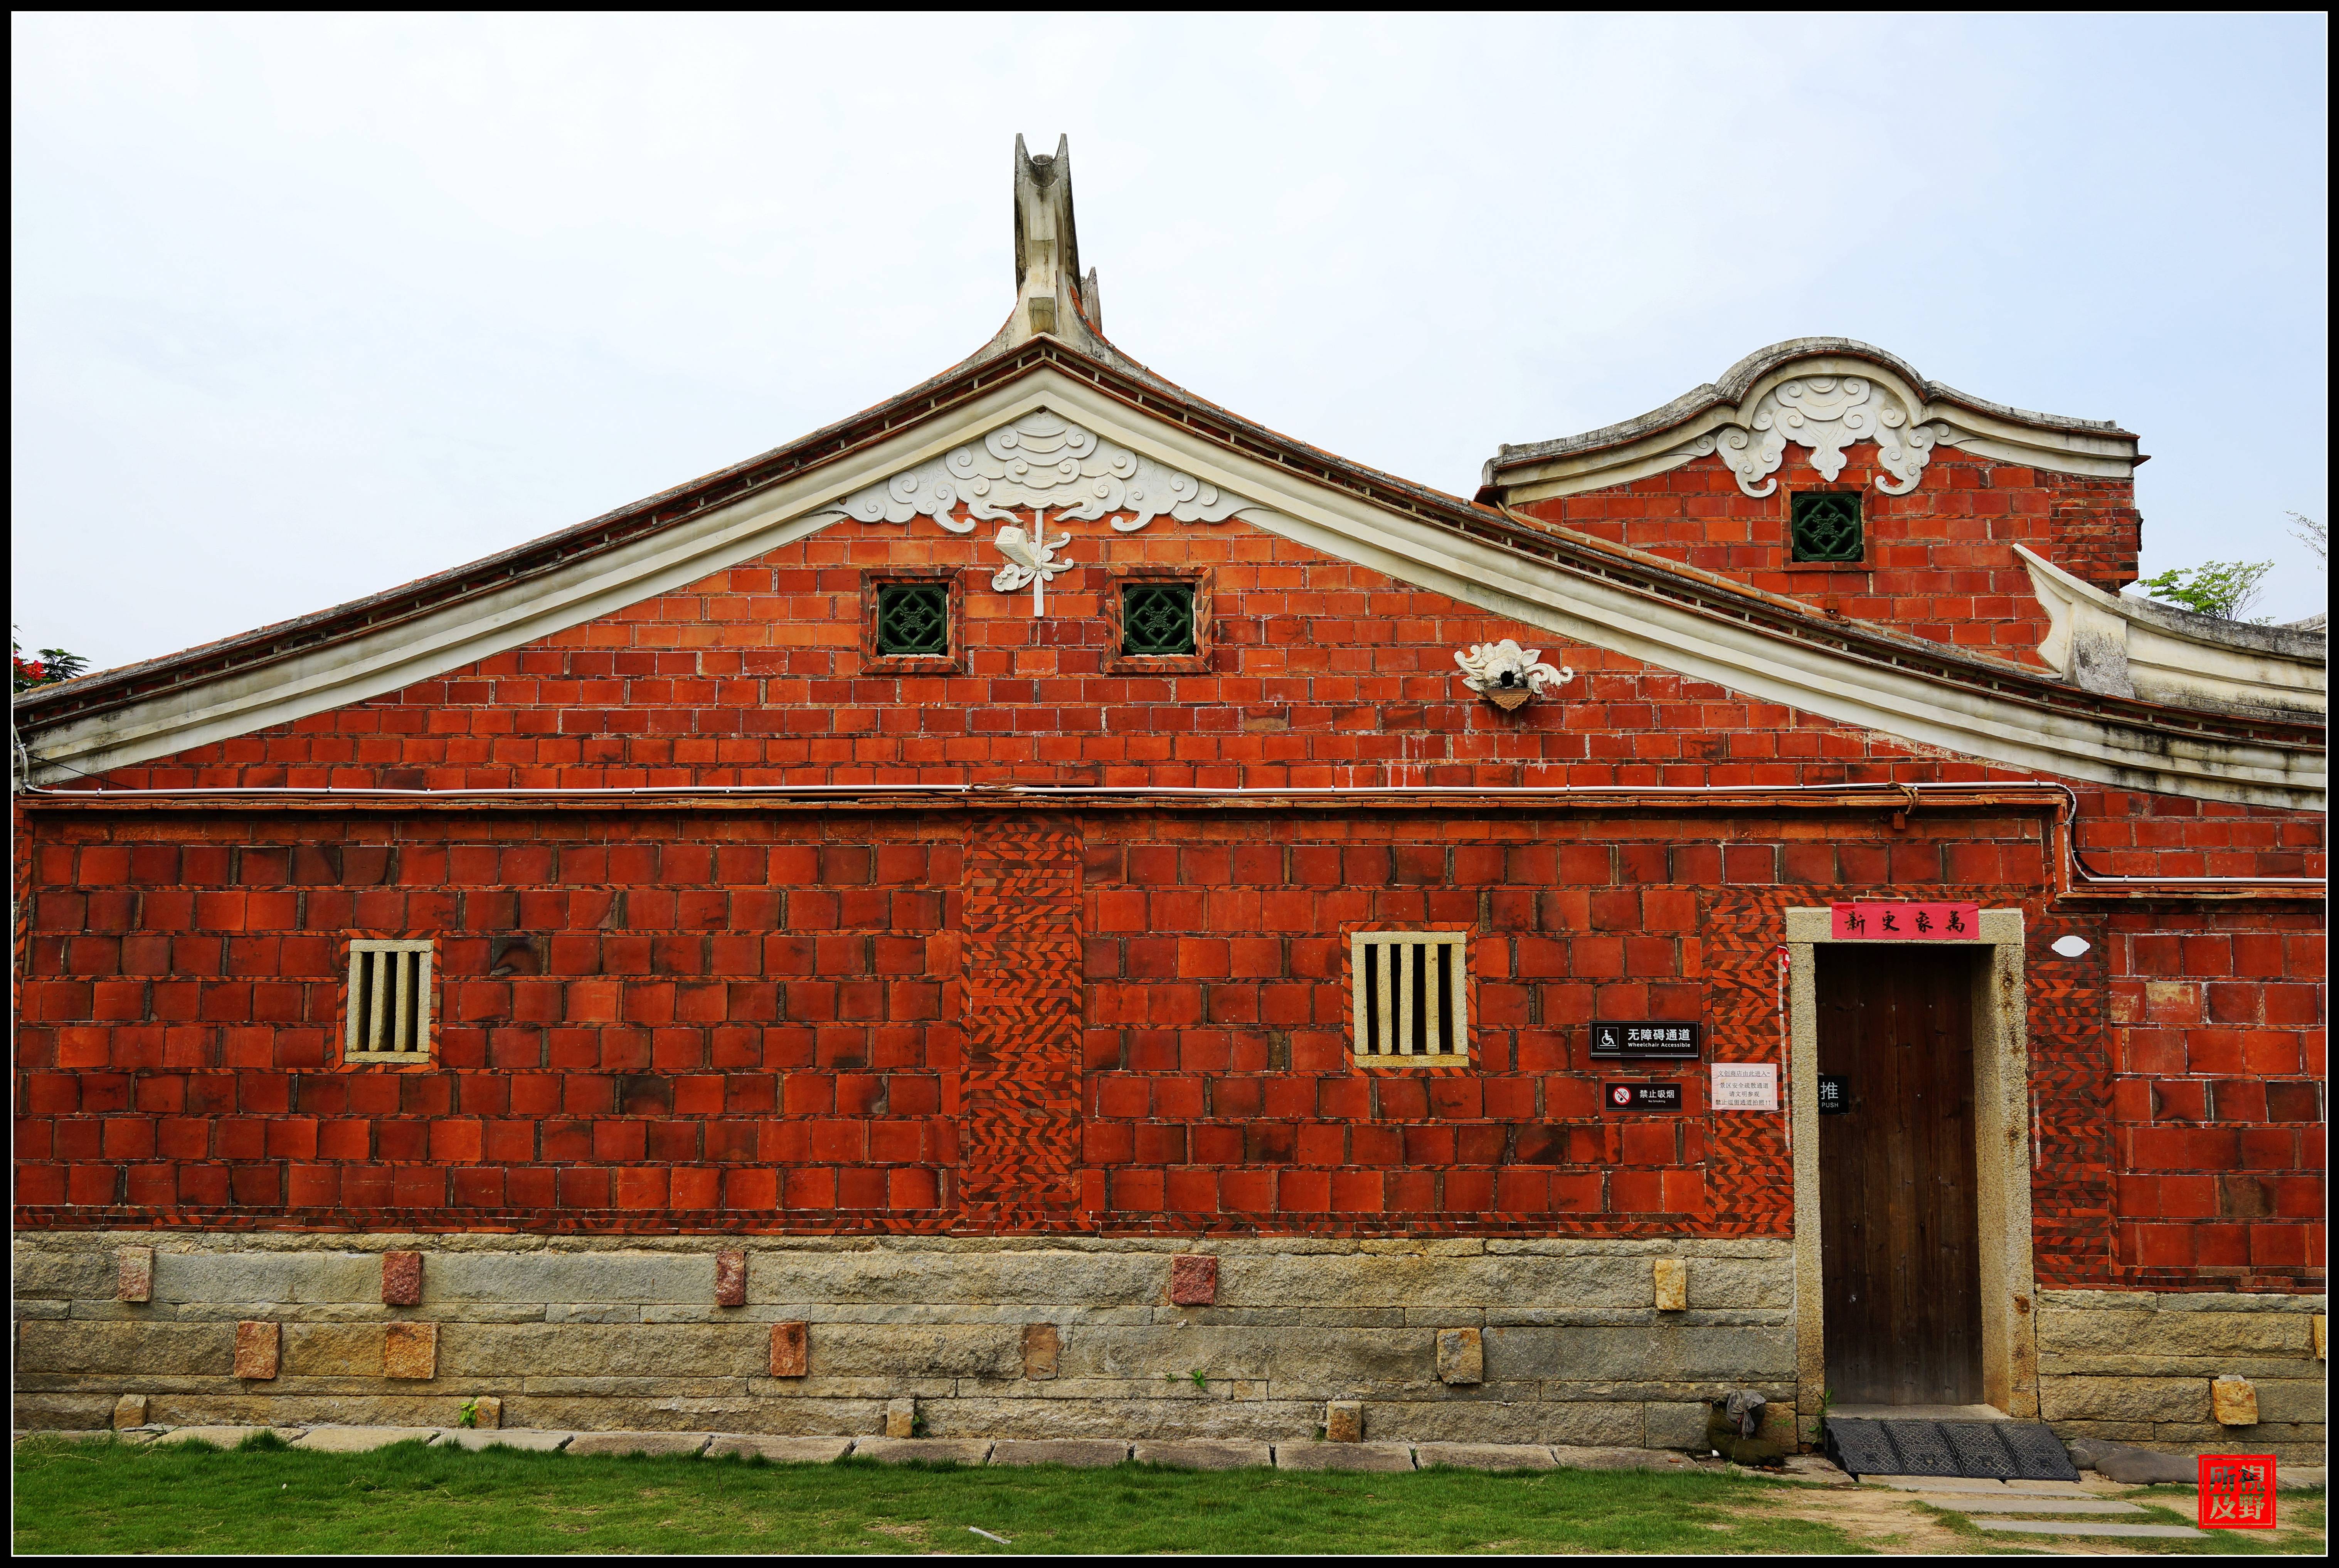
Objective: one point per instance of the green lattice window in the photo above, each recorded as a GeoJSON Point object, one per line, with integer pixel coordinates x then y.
{"type": "Point", "coordinates": [913, 619]}
{"type": "Point", "coordinates": [1156, 618]}
{"type": "Point", "coordinates": [1825, 526]}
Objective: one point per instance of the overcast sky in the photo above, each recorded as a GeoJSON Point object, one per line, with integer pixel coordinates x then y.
{"type": "Point", "coordinates": [306, 307]}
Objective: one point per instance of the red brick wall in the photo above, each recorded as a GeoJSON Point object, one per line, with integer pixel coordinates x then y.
{"type": "Point", "coordinates": [2218, 1101]}
{"type": "Point", "coordinates": [754, 1018]}
{"type": "Point", "coordinates": [1941, 560]}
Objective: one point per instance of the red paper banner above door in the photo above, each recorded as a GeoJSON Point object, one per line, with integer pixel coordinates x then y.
{"type": "Point", "coordinates": [1905, 921]}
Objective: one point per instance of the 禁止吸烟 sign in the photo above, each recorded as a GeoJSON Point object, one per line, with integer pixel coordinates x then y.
{"type": "Point", "coordinates": [1644, 1097]}
{"type": "Point", "coordinates": [1655, 1040]}
{"type": "Point", "coordinates": [1904, 922]}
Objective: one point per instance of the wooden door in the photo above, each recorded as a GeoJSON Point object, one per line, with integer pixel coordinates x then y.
{"type": "Point", "coordinates": [1900, 1250]}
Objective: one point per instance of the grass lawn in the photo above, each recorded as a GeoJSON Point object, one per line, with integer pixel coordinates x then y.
{"type": "Point", "coordinates": [111, 1497]}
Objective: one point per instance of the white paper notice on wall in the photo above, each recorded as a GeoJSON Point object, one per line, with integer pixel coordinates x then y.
{"type": "Point", "coordinates": [1745, 1085]}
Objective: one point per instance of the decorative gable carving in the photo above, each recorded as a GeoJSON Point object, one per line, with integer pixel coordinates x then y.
{"type": "Point", "coordinates": [1823, 415]}
{"type": "Point", "coordinates": [1043, 463]}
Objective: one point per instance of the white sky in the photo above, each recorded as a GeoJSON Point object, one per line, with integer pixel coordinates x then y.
{"type": "Point", "coordinates": [307, 307]}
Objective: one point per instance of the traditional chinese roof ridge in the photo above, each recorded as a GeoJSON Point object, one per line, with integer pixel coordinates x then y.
{"type": "Point", "coordinates": [1741, 379]}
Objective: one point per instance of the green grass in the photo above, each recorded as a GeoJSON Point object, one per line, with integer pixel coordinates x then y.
{"type": "Point", "coordinates": [2298, 1532]}
{"type": "Point", "coordinates": [107, 1496]}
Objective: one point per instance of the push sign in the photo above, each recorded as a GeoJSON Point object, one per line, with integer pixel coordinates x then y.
{"type": "Point", "coordinates": [1646, 1041]}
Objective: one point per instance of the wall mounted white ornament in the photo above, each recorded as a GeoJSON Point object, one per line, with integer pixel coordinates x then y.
{"type": "Point", "coordinates": [1509, 675]}
{"type": "Point", "coordinates": [1823, 415]}
{"type": "Point", "coordinates": [1031, 559]}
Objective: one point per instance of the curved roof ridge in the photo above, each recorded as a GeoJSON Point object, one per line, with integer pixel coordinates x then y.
{"type": "Point", "coordinates": [1737, 381]}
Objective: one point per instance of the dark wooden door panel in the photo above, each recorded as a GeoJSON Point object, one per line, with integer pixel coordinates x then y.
{"type": "Point", "coordinates": [1899, 1252]}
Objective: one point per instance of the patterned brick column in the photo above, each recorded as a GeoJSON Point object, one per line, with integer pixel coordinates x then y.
{"type": "Point", "coordinates": [1020, 1081]}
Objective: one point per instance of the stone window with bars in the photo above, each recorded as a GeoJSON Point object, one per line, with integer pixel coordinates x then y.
{"type": "Point", "coordinates": [1156, 618]}
{"type": "Point", "coordinates": [914, 620]}
{"type": "Point", "coordinates": [388, 1002]}
{"type": "Point", "coordinates": [1411, 997]}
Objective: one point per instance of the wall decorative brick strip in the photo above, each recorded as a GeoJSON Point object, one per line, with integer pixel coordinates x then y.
{"type": "Point", "coordinates": [1019, 1087]}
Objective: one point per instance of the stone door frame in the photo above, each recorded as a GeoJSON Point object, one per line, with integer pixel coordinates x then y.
{"type": "Point", "coordinates": [2002, 1156]}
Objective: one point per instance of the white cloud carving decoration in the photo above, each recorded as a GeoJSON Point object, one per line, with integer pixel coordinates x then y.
{"type": "Point", "coordinates": [1043, 463]}
{"type": "Point", "coordinates": [1823, 415]}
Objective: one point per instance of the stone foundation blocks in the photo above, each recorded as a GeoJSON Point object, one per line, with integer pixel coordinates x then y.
{"type": "Point", "coordinates": [129, 1411]}
{"type": "Point", "coordinates": [1080, 1453]}
{"type": "Point", "coordinates": [731, 1280]}
{"type": "Point", "coordinates": [401, 1280]}
{"type": "Point", "coordinates": [1193, 1280]}
{"type": "Point", "coordinates": [1461, 1357]}
{"type": "Point", "coordinates": [901, 1419]}
{"type": "Point", "coordinates": [1042, 1345]}
{"type": "Point", "coordinates": [1374, 1457]}
{"type": "Point", "coordinates": [411, 1351]}
{"type": "Point", "coordinates": [1344, 1421]}
{"type": "Point", "coordinates": [791, 1349]}
{"type": "Point", "coordinates": [2232, 1402]}
{"type": "Point", "coordinates": [134, 1274]}
{"type": "Point", "coordinates": [258, 1346]}
{"type": "Point", "coordinates": [487, 1412]}
{"type": "Point", "coordinates": [638, 1442]}
{"type": "Point", "coordinates": [1671, 1280]}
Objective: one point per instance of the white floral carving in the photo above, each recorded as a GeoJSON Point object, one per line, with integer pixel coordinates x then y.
{"type": "Point", "coordinates": [1030, 559]}
{"type": "Point", "coordinates": [1042, 461]}
{"type": "Point", "coordinates": [1507, 667]}
{"type": "Point", "coordinates": [1823, 415]}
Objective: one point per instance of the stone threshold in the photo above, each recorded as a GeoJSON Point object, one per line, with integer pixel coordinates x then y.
{"type": "Point", "coordinates": [1193, 1454]}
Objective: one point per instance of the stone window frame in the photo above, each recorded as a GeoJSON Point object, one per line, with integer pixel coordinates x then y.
{"type": "Point", "coordinates": [424, 1052]}
{"type": "Point", "coordinates": [952, 663]}
{"type": "Point", "coordinates": [1197, 663]}
{"type": "Point", "coordinates": [1462, 1052]}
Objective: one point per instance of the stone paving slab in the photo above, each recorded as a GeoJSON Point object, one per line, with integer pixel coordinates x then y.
{"type": "Point", "coordinates": [95, 1434]}
{"type": "Point", "coordinates": [225, 1437]}
{"type": "Point", "coordinates": [361, 1439]}
{"type": "Point", "coordinates": [1484, 1455]}
{"type": "Point", "coordinates": [1968, 1504]}
{"type": "Point", "coordinates": [525, 1438]}
{"type": "Point", "coordinates": [1207, 1453]}
{"type": "Point", "coordinates": [1575, 1458]}
{"type": "Point", "coordinates": [782, 1450]}
{"type": "Point", "coordinates": [638, 1442]}
{"type": "Point", "coordinates": [1376, 1457]}
{"type": "Point", "coordinates": [1087, 1453]}
{"type": "Point", "coordinates": [2055, 1527]}
{"type": "Point", "coordinates": [930, 1450]}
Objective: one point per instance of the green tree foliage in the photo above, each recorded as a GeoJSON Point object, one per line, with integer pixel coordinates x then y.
{"type": "Point", "coordinates": [2220, 589]}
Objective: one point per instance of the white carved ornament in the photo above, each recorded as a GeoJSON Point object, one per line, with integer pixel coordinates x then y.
{"type": "Point", "coordinates": [1042, 463]}
{"type": "Point", "coordinates": [1504, 668]}
{"type": "Point", "coordinates": [1823, 415]}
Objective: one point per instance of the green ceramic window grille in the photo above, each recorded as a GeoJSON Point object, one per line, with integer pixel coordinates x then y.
{"type": "Point", "coordinates": [1156, 618]}
{"type": "Point", "coordinates": [1825, 526]}
{"type": "Point", "coordinates": [912, 619]}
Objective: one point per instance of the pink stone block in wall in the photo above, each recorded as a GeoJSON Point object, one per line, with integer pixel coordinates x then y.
{"type": "Point", "coordinates": [1193, 1280]}
{"type": "Point", "coordinates": [401, 1278]}
{"type": "Point", "coordinates": [256, 1346]}
{"type": "Point", "coordinates": [135, 1279]}
{"type": "Point", "coordinates": [730, 1279]}
{"type": "Point", "coordinates": [410, 1350]}
{"type": "Point", "coordinates": [789, 1349]}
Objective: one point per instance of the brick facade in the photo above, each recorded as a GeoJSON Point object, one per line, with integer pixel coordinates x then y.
{"type": "Point", "coordinates": [754, 1018]}
{"type": "Point", "coordinates": [1939, 561]}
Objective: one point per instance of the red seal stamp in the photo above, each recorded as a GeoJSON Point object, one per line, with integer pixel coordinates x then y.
{"type": "Point", "coordinates": [2236, 1492]}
